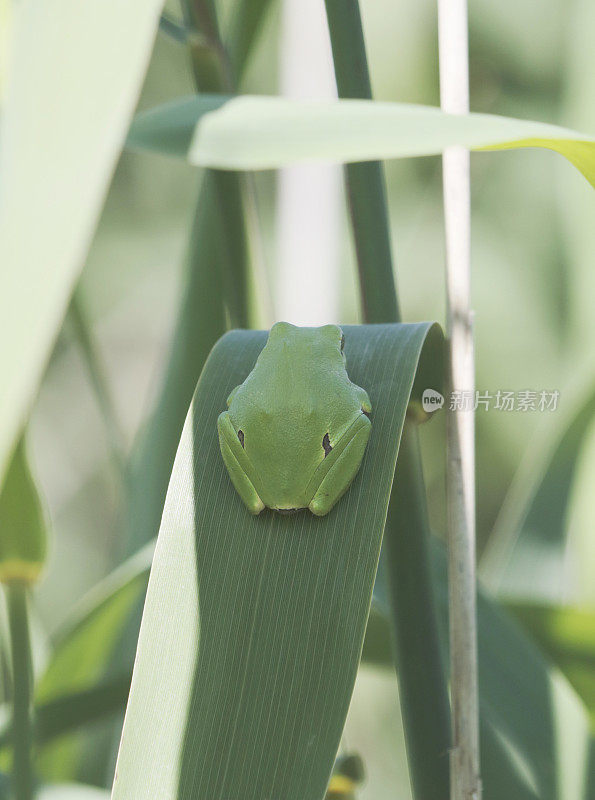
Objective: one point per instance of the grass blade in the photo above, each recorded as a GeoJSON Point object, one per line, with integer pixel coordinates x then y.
{"type": "Point", "coordinates": [420, 667]}
{"type": "Point", "coordinates": [365, 183]}
{"type": "Point", "coordinates": [69, 712]}
{"type": "Point", "coordinates": [250, 133]}
{"type": "Point", "coordinates": [216, 276]}
{"type": "Point", "coordinates": [246, 25]}
{"type": "Point", "coordinates": [82, 646]}
{"type": "Point", "coordinates": [527, 703]}
{"type": "Point", "coordinates": [49, 214]}
{"type": "Point", "coordinates": [567, 636]}
{"type": "Point", "coordinates": [528, 710]}
{"type": "Point", "coordinates": [531, 530]}
{"type": "Point", "coordinates": [200, 321]}
{"type": "Point", "coordinates": [82, 668]}
{"type": "Point", "coordinates": [246, 697]}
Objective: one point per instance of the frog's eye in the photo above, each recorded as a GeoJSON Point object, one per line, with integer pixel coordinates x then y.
{"type": "Point", "coordinates": [326, 444]}
{"type": "Point", "coordinates": [241, 437]}
{"type": "Point", "coordinates": [342, 342]}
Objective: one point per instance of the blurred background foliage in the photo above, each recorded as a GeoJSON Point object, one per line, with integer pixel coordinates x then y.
{"type": "Point", "coordinates": [533, 289]}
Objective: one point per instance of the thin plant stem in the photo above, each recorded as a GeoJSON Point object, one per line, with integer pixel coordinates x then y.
{"type": "Point", "coordinates": [22, 728]}
{"type": "Point", "coordinates": [364, 183]}
{"type": "Point", "coordinates": [235, 192]}
{"type": "Point", "coordinates": [420, 670]}
{"type": "Point", "coordinates": [211, 63]}
{"type": "Point", "coordinates": [465, 781]}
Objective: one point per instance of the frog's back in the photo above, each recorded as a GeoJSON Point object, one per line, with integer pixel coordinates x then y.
{"type": "Point", "coordinates": [293, 408]}
{"type": "Point", "coordinates": [300, 369]}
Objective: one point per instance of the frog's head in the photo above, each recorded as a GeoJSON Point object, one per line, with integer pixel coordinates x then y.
{"type": "Point", "coordinates": [325, 342]}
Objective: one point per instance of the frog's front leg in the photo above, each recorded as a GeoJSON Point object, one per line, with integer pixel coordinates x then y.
{"type": "Point", "coordinates": [237, 464]}
{"type": "Point", "coordinates": [346, 458]}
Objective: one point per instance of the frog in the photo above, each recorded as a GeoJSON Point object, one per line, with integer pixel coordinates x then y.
{"type": "Point", "coordinates": [295, 431]}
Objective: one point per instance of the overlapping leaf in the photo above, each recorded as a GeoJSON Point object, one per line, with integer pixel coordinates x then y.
{"type": "Point", "coordinates": [269, 132]}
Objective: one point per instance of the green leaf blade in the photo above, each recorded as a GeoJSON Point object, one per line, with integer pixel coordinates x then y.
{"type": "Point", "coordinates": [258, 708]}
{"type": "Point", "coordinates": [48, 215]}
{"type": "Point", "coordinates": [88, 676]}
{"type": "Point", "coordinates": [529, 712]}
{"type": "Point", "coordinates": [567, 635]}
{"type": "Point", "coordinates": [531, 533]}
{"type": "Point", "coordinates": [252, 133]}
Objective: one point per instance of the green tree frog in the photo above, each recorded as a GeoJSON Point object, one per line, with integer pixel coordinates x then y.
{"type": "Point", "coordinates": [295, 431]}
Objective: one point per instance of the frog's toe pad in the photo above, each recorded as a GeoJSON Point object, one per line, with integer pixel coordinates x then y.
{"type": "Point", "coordinates": [254, 505]}
{"type": "Point", "coordinates": [320, 505]}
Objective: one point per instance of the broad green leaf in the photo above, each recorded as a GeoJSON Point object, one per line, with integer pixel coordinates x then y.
{"type": "Point", "coordinates": [270, 132]}
{"type": "Point", "coordinates": [258, 708]}
{"type": "Point", "coordinates": [530, 535]}
{"type": "Point", "coordinates": [23, 536]}
{"type": "Point", "coordinates": [65, 111]}
{"type": "Point", "coordinates": [567, 636]}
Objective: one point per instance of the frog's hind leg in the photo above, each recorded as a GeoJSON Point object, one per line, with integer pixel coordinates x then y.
{"type": "Point", "coordinates": [337, 480]}
{"type": "Point", "coordinates": [236, 462]}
